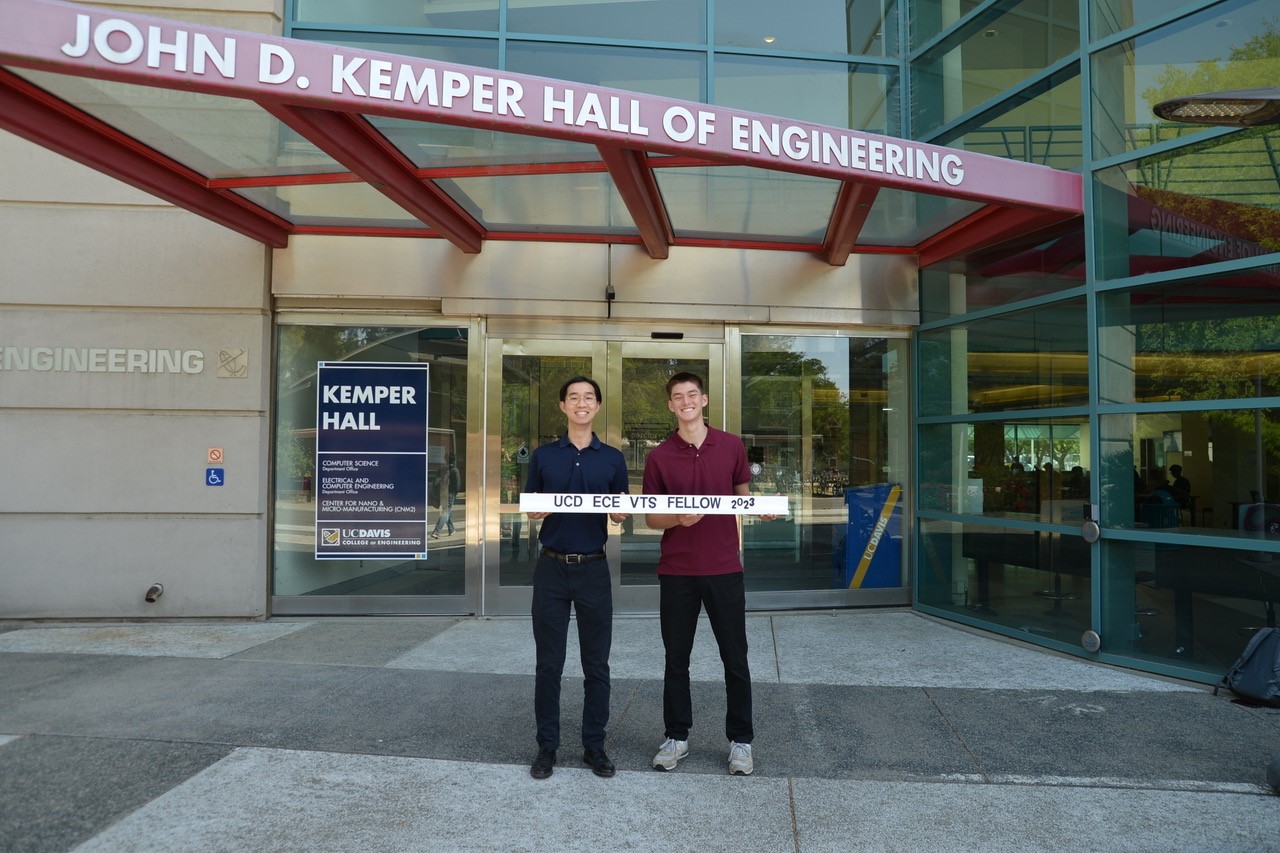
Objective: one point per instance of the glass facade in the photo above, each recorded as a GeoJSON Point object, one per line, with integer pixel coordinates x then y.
{"type": "Point", "coordinates": [992, 49]}
{"type": "Point", "coordinates": [822, 419]}
{"type": "Point", "coordinates": [1122, 369]}
{"type": "Point", "coordinates": [831, 61]}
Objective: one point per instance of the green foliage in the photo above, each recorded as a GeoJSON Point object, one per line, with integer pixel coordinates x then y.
{"type": "Point", "coordinates": [295, 456]}
{"type": "Point", "coordinates": [1255, 64]}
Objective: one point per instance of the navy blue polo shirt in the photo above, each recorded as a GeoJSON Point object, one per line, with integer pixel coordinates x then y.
{"type": "Point", "coordinates": [560, 467]}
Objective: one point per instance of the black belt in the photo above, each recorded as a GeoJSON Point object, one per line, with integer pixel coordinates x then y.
{"type": "Point", "coordinates": [573, 558]}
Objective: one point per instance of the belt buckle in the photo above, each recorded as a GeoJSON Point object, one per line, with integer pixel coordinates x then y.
{"type": "Point", "coordinates": [574, 558]}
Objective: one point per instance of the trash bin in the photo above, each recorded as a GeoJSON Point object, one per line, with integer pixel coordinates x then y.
{"type": "Point", "coordinates": [873, 538]}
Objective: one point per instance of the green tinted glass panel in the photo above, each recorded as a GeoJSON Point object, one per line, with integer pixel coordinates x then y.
{"type": "Point", "coordinates": [666, 73]}
{"type": "Point", "coordinates": [1211, 339]}
{"type": "Point", "coordinates": [1112, 16]}
{"type": "Point", "coordinates": [1230, 46]}
{"type": "Point", "coordinates": [931, 17]}
{"type": "Point", "coordinates": [464, 51]}
{"type": "Point", "coordinates": [987, 58]}
{"type": "Point", "coordinates": [857, 27]}
{"type": "Point", "coordinates": [1031, 469]}
{"type": "Point", "coordinates": [831, 93]}
{"type": "Point", "coordinates": [1040, 128]}
{"type": "Point", "coordinates": [1177, 472]}
{"type": "Point", "coordinates": [1183, 606]}
{"type": "Point", "coordinates": [1021, 269]}
{"type": "Point", "coordinates": [418, 14]}
{"type": "Point", "coordinates": [1035, 583]}
{"type": "Point", "coordinates": [1025, 360]}
{"type": "Point", "coordinates": [1200, 205]}
{"type": "Point", "coordinates": [901, 218]}
{"type": "Point", "coordinates": [635, 20]}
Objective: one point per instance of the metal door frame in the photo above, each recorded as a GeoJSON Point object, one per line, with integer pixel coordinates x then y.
{"type": "Point", "coordinates": [607, 354]}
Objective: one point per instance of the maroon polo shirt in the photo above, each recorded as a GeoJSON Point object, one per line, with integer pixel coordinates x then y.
{"type": "Point", "coordinates": [676, 467]}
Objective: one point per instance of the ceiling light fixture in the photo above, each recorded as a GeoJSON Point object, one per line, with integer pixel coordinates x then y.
{"type": "Point", "coordinates": [770, 39]}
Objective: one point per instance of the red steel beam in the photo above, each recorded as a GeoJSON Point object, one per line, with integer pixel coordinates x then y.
{"type": "Point", "coordinates": [853, 204]}
{"type": "Point", "coordinates": [33, 114]}
{"type": "Point", "coordinates": [634, 178]}
{"type": "Point", "coordinates": [354, 143]}
{"type": "Point", "coordinates": [987, 227]}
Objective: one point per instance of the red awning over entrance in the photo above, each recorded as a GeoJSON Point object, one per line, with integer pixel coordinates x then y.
{"type": "Point", "coordinates": [272, 137]}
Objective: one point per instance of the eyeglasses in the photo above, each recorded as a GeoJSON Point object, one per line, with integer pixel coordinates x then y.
{"type": "Point", "coordinates": [576, 399]}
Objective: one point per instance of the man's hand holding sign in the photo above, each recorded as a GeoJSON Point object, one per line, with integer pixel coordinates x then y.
{"type": "Point", "coordinates": [768, 507]}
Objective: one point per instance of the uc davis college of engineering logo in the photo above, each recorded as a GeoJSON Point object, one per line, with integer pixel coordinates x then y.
{"type": "Point", "coordinates": [330, 537]}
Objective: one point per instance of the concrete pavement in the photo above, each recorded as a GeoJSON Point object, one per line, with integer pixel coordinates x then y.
{"type": "Point", "coordinates": [875, 730]}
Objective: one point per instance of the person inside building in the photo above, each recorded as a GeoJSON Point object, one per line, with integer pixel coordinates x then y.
{"type": "Point", "coordinates": [1181, 486]}
{"type": "Point", "coordinates": [450, 482]}
{"type": "Point", "coordinates": [699, 567]}
{"type": "Point", "coordinates": [572, 572]}
{"type": "Point", "coordinates": [1160, 506]}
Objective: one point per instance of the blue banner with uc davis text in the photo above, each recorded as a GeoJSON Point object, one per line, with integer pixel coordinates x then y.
{"type": "Point", "coordinates": [371, 460]}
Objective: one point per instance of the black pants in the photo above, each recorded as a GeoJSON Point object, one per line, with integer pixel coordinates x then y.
{"type": "Point", "coordinates": [557, 585]}
{"type": "Point", "coordinates": [682, 598]}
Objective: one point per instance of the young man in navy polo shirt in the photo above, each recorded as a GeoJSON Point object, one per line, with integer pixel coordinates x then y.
{"type": "Point", "coordinates": [699, 566]}
{"type": "Point", "coordinates": [572, 570]}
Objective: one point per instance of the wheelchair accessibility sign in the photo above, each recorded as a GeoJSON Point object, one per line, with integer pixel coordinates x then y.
{"type": "Point", "coordinates": [214, 477]}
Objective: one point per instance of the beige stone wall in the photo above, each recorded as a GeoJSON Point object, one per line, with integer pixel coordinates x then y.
{"type": "Point", "coordinates": [103, 469]}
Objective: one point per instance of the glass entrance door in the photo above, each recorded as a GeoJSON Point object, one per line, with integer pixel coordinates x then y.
{"type": "Point", "coordinates": [524, 383]}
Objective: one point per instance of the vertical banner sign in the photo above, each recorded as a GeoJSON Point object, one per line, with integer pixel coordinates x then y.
{"type": "Point", "coordinates": [371, 461]}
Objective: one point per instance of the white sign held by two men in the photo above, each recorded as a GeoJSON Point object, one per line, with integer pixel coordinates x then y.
{"type": "Point", "coordinates": [659, 504]}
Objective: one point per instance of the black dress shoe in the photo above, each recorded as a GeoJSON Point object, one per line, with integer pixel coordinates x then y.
{"type": "Point", "coordinates": [542, 765]}
{"type": "Point", "coordinates": [598, 762]}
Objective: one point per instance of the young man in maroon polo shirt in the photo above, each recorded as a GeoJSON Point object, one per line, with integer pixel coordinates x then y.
{"type": "Point", "coordinates": [699, 566]}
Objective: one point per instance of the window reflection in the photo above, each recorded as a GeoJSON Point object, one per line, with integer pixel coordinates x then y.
{"type": "Point", "coordinates": [1217, 50]}
{"type": "Point", "coordinates": [832, 93]}
{"type": "Point", "coordinates": [432, 14]}
{"type": "Point", "coordinates": [1033, 582]}
{"type": "Point", "coordinates": [1213, 339]}
{"type": "Point", "coordinates": [1112, 16]}
{"type": "Point", "coordinates": [1035, 470]}
{"type": "Point", "coordinates": [1193, 472]}
{"type": "Point", "coordinates": [531, 417]}
{"type": "Point", "coordinates": [823, 419]}
{"type": "Point", "coordinates": [639, 20]}
{"type": "Point", "coordinates": [860, 27]}
{"type": "Point", "coordinates": [1025, 360]}
{"type": "Point", "coordinates": [295, 571]}
{"type": "Point", "coordinates": [1035, 127]}
{"type": "Point", "coordinates": [1193, 607]}
{"type": "Point", "coordinates": [1008, 47]}
{"type": "Point", "coordinates": [1035, 265]}
{"type": "Point", "coordinates": [665, 73]}
{"type": "Point", "coordinates": [1201, 205]}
